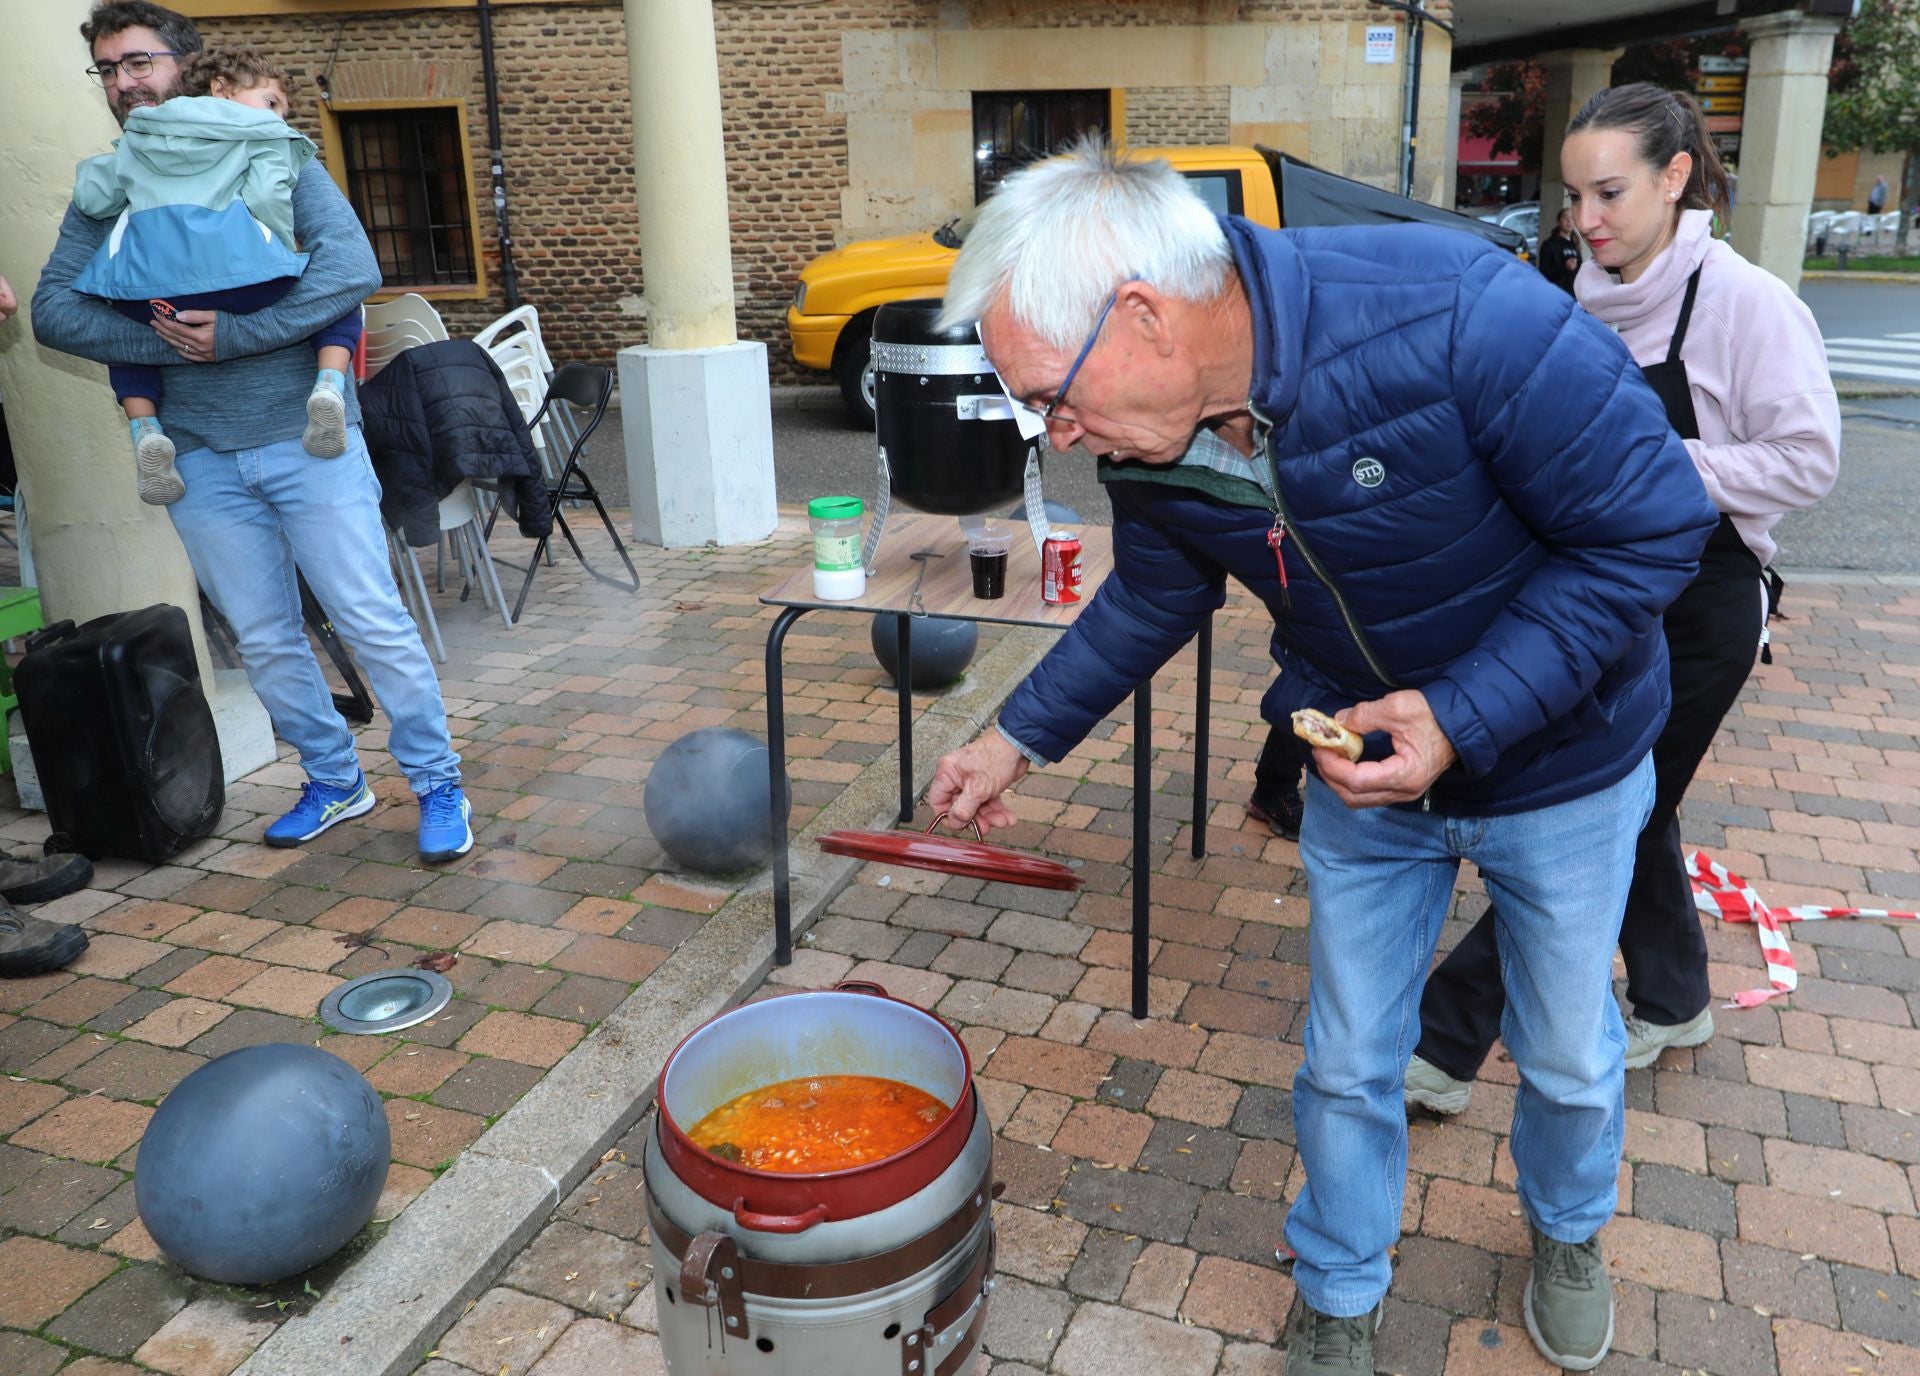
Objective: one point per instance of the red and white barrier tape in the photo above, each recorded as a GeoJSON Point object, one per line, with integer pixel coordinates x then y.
{"type": "Point", "coordinates": [1732, 899]}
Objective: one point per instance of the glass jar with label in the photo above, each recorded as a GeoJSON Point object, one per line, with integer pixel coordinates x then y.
{"type": "Point", "coordinates": [838, 575]}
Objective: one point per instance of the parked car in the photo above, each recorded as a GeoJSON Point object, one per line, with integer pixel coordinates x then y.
{"type": "Point", "coordinates": [830, 322]}
{"type": "Point", "coordinates": [1523, 216]}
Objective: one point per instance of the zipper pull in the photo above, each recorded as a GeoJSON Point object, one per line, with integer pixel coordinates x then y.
{"type": "Point", "coordinates": [1274, 537]}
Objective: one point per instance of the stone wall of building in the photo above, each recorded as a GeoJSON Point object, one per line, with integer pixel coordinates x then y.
{"type": "Point", "coordinates": [844, 119]}
{"type": "Point", "coordinates": [1172, 116]}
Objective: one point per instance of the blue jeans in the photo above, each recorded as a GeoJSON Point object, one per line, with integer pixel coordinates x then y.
{"type": "Point", "coordinates": [1379, 880]}
{"type": "Point", "coordinates": [248, 518]}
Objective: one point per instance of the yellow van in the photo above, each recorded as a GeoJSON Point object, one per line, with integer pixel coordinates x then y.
{"type": "Point", "coordinates": [831, 319]}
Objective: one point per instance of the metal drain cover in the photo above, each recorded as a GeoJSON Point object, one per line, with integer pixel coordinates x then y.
{"type": "Point", "coordinates": [385, 1001]}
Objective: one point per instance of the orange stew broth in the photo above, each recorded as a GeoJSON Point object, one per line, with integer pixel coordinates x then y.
{"type": "Point", "coordinates": [820, 1123]}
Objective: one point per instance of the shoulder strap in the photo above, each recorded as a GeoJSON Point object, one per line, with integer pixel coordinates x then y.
{"type": "Point", "coordinates": [1686, 314]}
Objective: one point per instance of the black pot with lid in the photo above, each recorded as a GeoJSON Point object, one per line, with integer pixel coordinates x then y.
{"type": "Point", "coordinates": [951, 444]}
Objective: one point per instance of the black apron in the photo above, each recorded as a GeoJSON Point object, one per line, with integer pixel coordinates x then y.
{"type": "Point", "coordinates": [1712, 630]}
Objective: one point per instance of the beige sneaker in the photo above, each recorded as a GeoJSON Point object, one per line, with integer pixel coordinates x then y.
{"type": "Point", "coordinates": [326, 433]}
{"type": "Point", "coordinates": [160, 483]}
{"type": "Point", "coordinates": [1646, 1040]}
{"type": "Point", "coordinates": [1430, 1087]}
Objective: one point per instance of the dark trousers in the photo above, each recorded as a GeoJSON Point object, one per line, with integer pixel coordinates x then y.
{"type": "Point", "coordinates": [143, 380]}
{"type": "Point", "coordinates": [1277, 772]}
{"type": "Point", "coordinates": [1713, 632]}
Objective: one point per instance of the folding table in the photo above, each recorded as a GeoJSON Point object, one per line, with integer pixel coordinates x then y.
{"type": "Point", "coordinates": [922, 569]}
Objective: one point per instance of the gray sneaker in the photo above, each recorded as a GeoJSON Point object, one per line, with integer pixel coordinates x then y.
{"type": "Point", "coordinates": [39, 878]}
{"type": "Point", "coordinates": [1430, 1087]}
{"type": "Point", "coordinates": [1320, 1345]}
{"type": "Point", "coordinates": [1646, 1040]}
{"type": "Point", "coordinates": [1569, 1302]}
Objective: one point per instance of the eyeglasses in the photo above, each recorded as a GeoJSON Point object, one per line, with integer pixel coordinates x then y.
{"type": "Point", "coordinates": [135, 65]}
{"type": "Point", "coordinates": [1060, 392]}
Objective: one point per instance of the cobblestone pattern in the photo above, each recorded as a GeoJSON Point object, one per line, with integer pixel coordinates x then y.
{"type": "Point", "coordinates": [1767, 1224]}
{"type": "Point", "coordinates": [562, 909]}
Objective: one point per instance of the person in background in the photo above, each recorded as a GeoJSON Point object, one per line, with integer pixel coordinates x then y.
{"type": "Point", "coordinates": [1738, 361]}
{"type": "Point", "coordinates": [1560, 252]}
{"type": "Point", "coordinates": [33, 945]}
{"type": "Point", "coordinates": [256, 504]}
{"type": "Point", "coordinates": [200, 190]}
{"type": "Point", "coordinates": [1877, 198]}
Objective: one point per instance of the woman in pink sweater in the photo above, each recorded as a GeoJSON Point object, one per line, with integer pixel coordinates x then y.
{"type": "Point", "coordinates": [1739, 363]}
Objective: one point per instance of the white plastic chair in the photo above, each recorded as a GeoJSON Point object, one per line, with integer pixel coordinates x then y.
{"type": "Point", "coordinates": [464, 524]}
{"type": "Point", "coordinates": [519, 328]}
{"type": "Point", "coordinates": [400, 324]}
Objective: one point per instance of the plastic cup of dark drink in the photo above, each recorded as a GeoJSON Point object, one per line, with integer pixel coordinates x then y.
{"type": "Point", "coordinates": [987, 551]}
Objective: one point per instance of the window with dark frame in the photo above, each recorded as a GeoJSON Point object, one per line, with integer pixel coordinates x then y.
{"type": "Point", "coordinates": [1014, 128]}
{"type": "Point", "coordinates": [407, 180]}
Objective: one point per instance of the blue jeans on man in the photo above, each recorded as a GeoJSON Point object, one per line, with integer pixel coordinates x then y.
{"type": "Point", "coordinates": [247, 519]}
{"type": "Point", "coordinates": [1380, 881]}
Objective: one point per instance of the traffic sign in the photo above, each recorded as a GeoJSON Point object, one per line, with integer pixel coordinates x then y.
{"type": "Point", "coordinates": [1723, 124]}
{"type": "Point", "coordinates": [1725, 85]}
{"type": "Point", "coordinates": [1720, 66]}
{"type": "Point", "coordinates": [1721, 105]}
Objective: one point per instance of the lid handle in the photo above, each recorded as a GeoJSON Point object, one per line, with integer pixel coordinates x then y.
{"type": "Point", "coordinates": [978, 834]}
{"type": "Point", "coordinates": [861, 986]}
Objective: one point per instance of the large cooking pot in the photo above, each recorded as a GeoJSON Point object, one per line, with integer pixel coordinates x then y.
{"type": "Point", "coordinates": [856, 1029]}
{"type": "Point", "coordinates": [947, 428]}
{"type": "Point", "coordinates": [882, 1270]}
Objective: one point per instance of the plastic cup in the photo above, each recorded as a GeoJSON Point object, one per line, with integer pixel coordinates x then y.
{"type": "Point", "coordinates": [987, 552]}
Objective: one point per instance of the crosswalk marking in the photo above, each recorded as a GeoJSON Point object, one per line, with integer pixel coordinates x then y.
{"type": "Point", "coordinates": [1892, 357]}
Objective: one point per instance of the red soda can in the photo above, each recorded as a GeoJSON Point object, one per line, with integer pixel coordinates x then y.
{"type": "Point", "coordinates": [1060, 567]}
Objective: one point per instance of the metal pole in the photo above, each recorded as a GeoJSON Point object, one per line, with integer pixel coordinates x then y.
{"type": "Point", "coordinates": [509, 278]}
{"type": "Point", "coordinates": [1409, 99]}
{"type": "Point", "coordinates": [1417, 21]}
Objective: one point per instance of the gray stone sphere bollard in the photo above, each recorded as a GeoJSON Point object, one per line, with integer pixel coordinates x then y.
{"type": "Point", "coordinates": [262, 1163]}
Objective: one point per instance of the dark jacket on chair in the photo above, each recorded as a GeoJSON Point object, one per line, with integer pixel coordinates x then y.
{"type": "Point", "coordinates": [438, 414]}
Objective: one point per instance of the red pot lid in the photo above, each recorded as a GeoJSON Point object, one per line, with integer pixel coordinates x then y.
{"type": "Point", "coordinates": [926, 850]}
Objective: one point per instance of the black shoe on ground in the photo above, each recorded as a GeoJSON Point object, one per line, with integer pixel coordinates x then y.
{"type": "Point", "coordinates": [36, 881]}
{"type": "Point", "coordinates": [32, 945]}
{"type": "Point", "coordinates": [1282, 813]}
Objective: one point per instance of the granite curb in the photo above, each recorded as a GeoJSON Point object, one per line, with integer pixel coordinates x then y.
{"type": "Point", "coordinates": [386, 1312]}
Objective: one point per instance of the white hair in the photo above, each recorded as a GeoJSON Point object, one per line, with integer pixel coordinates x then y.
{"type": "Point", "coordinates": [1060, 235]}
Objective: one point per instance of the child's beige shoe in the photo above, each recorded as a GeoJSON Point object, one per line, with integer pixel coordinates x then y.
{"type": "Point", "coordinates": [326, 433]}
{"type": "Point", "coordinates": [160, 483]}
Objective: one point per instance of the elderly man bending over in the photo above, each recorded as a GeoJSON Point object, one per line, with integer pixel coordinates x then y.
{"type": "Point", "coordinates": [1466, 512]}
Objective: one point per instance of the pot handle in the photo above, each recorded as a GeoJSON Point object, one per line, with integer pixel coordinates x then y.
{"type": "Point", "coordinates": [861, 986]}
{"type": "Point", "coordinates": [777, 1223]}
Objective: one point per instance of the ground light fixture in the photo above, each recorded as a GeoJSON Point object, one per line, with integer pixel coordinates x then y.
{"type": "Point", "coordinates": [385, 1001]}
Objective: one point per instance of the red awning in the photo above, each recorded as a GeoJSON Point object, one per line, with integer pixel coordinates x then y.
{"type": "Point", "coordinates": [1477, 155]}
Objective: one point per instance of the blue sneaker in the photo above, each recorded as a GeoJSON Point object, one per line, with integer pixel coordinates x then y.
{"type": "Point", "coordinates": [446, 832]}
{"type": "Point", "coordinates": [321, 806]}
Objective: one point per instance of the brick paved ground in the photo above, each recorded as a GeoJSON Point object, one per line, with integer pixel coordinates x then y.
{"type": "Point", "coordinates": [561, 910]}
{"type": "Point", "coordinates": [1767, 1224]}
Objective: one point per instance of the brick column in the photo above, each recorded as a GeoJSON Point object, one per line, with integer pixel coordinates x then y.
{"type": "Point", "coordinates": [1573, 76]}
{"type": "Point", "coordinates": [1786, 98]}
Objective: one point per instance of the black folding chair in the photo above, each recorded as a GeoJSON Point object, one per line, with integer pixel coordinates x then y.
{"type": "Point", "coordinates": [589, 388]}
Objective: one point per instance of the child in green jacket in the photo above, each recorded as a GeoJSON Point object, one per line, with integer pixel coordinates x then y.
{"type": "Point", "coordinates": [202, 189]}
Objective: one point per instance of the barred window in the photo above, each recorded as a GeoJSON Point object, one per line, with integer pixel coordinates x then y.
{"type": "Point", "coordinates": [1014, 128]}
{"type": "Point", "coordinates": [406, 176]}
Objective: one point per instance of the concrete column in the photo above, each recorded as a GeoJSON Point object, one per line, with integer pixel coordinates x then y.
{"type": "Point", "coordinates": [1787, 59]}
{"type": "Point", "coordinates": [96, 547]}
{"type": "Point", "coordinates": [695, 403]}
{"type": "Point", "coordinates": [1573, 76]}
{"type": "Point", "coordinates": [1450, 167]}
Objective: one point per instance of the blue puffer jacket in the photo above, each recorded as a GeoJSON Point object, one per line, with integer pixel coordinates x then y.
{"type": "Point", "coordinates": [1487, 481]}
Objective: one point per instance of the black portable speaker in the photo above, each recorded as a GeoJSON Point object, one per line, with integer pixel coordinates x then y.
{"type": "Point", "coordinates": [121, 734]}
